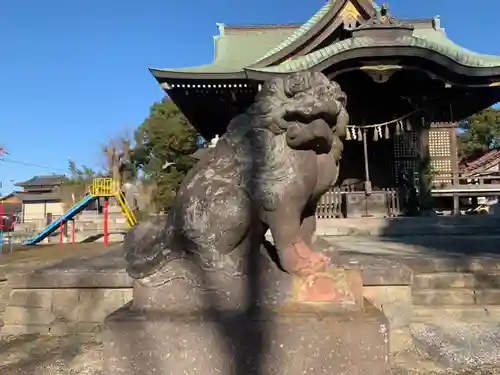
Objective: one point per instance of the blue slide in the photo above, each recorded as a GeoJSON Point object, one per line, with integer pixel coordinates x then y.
{"type": "Point", "coordinates": [68, 215]}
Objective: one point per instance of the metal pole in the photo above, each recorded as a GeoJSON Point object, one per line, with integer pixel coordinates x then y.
{"type": "Point", "coordinates": [368, 184]}
{"type": "Point", "coordinates": [11, 231]}
{"type": "Point", "coordinates": [456, 205]}
{"type": "Point", "coordinates": [106, 209]}
{"type": "Point", "coordinates": [61, 232]}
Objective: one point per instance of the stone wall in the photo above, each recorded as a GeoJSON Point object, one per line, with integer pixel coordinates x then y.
{"type": "Point", "coordinates": [61, 311]}
{"type": "Point", "coordinates": [387, 285]}
{"type": "Point", "coordinates": [76, 295]}
{"type": "Point", "coordinates": [395, 302]}
{"type": "Point", "coordinates": [79, 310]}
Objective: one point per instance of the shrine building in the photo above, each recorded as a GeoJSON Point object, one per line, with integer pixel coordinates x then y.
{"type": "Point", "coordinates": [407, 85]}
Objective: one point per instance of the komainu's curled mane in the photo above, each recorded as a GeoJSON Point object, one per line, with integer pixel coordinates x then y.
{"type": "Point", "coordinates": [266, 172]}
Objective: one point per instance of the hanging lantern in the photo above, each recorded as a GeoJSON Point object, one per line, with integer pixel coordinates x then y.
{"type": "Point", "coordinates": [360, 135]}
{"type": "Point", "coordinates": [387, 132]}
{"type": "Point", "coordinates": [375, 134]}
{"type": "Point", "coordinates": [398, 128]}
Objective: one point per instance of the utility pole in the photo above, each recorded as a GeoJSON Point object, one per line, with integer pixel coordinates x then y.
{"type": "Point", "coordinates": [3, 152]}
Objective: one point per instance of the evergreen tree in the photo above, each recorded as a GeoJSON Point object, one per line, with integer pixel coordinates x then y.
{"type": "Point", "coordinates": [479, 133]}
{"type": "Point", "coordinates": [165, 142]}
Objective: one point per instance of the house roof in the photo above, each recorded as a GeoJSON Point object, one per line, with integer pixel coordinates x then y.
{"type": "Point", "coordinates": [7, 196]}
{"type": "Point", "coordinates": [250, 49]}
{"type": "Point", "coordinates": [481, 163]}
{"type": "Point", "coordinates": [51, 180]}
{"type": "Point", "coordinates": [39, 197]}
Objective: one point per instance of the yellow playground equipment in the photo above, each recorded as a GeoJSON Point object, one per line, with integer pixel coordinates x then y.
{"type": "Point", "coordinates": [100, 187]}
{"type": "Point", "coordinates": [108, 187]}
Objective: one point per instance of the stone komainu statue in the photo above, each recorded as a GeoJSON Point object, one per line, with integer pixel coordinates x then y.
{"type": "Point", "coordinates": [267, 171]}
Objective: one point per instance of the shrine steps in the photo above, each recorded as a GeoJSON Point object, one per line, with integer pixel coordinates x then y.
{"type": "Point", "coordinates": [456, 297]}
{"type": "Point", "coordinates": [423, 314]}
{"type": "Point", "coordinates": [410, 226]}
{"type": "Point", "coordinates": [472, 280]}
{"type": "Point", "coordinates": [475, 292]}
{"type": "Point", "coordinates": [455, 317]}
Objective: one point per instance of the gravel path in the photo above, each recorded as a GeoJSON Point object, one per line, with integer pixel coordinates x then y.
{"type": "Point", "coordinates": [83, 355]}
{"type": "Point", "coordinates": [44, 355]}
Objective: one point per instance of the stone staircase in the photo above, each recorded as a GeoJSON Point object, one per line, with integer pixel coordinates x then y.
{"type": "Point", "coordinates": [462, 296]}
{"type": "Point", "coordinates": [456, 310]}
{"type": "Point", "coordinates": [462, 289]}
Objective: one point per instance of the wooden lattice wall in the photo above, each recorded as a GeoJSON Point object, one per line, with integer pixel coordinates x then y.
{"type": "Point", "coordinates": [406, 153]}
{"type": "Point", "coordinates": [443, 151]}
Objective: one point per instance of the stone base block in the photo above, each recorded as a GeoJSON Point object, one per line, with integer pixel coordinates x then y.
{"type": "Point", "coordinates": [293, 339]}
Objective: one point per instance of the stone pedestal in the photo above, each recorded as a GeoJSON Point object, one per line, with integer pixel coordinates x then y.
{"type": "Point", "coordinates": [247, 326]}
{"type": "Point", "coordinates": [289, 341]}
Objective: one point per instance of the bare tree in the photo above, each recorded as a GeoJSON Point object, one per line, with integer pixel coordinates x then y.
{"type": "Point", "coordinates": [118, 158]}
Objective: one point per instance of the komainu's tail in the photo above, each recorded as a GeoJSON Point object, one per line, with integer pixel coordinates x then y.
{"type": "Point", "coordinates": [146, 247]}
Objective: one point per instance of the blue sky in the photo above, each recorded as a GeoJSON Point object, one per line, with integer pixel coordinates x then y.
{"type": "Point", "coordinates": [74, 73]}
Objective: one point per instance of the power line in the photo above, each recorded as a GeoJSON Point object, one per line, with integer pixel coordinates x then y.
{"type": "Point", "coordinates": [31, 164]}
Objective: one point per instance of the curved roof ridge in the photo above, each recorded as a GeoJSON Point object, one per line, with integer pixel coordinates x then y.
{"type": "Point", "coordinates": [263, 26]}
{"type": "Point", "coordinates": [300, 31]}
{"type": "Point", "coordinates": [318, 56]}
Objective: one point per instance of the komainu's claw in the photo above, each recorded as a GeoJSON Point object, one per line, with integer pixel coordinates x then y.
{"type": "Point", "coordinates": [300, 260]}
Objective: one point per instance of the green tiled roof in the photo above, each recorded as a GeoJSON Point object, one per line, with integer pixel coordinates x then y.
{"type": "Point", "coordinates": [438, 37]}
{"type": "Point", "coordinates": [434, 40]}
{"type": "Point", "coordinates": [241, 47]}
{"type": "Point", "coordinates": [299, 32]}
{"type": "Point", "coordinates": [235, 51]}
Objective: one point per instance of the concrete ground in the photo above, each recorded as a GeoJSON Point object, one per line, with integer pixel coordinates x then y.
{"type": "Point", "coordinates": [431, 246]}
{"type": "Point", "coordinates": [34, 354]}
{"type": "Point", "coordinates": [450, 342]}
{"type": "Point", "coordinates": [33, 256]}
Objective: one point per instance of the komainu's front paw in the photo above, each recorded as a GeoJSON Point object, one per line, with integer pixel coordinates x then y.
{"type": "Point", "coordinates": [300, 260]}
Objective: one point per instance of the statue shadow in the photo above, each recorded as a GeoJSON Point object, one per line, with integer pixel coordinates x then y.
{"type": "Point", "coordinates": [244, 325]}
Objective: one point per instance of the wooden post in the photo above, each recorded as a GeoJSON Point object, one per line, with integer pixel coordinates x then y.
{"type": "Point", "coordinates": [61, 232]}
{"type": "Point", "coordinates": [106, 212]}
{"type": "Point", "coordinates": [454, 167]}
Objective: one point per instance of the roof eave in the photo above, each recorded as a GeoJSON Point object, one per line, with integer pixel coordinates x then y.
{"type": "Point", "coordinates": [411, 51]}
{"type": "Point", "coordinates": [165, 76]}
{"type": "Point", "coordinates": [385, 51]}
{"type": "Point", "coordinates": [258, 27]}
